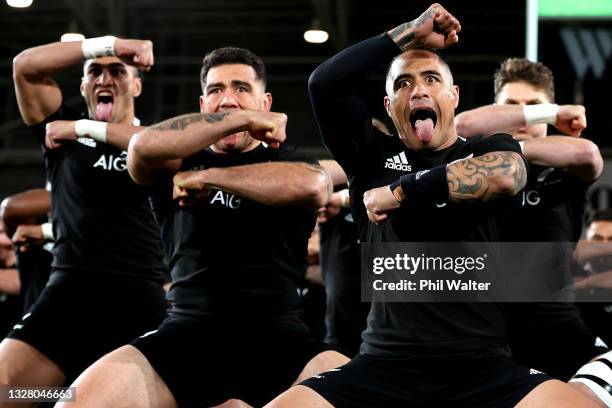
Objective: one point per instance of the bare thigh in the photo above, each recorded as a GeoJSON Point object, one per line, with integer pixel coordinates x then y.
{"type": "Point", "coordinates": [23, 365]}
{"type": "Point", "coordinates": [122, 378]}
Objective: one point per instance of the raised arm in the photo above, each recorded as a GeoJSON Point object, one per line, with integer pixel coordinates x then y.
{"type": "Point", "coordinates": [491, 175]}
{"type": "Point", "coordinates": [579, 157]}
{"type": "Point", "coordinates": [275, 183]}
{"type": "Point", "coordinates": [24, 208]}
{"type": "Point", "coordinates": [38, 95]}
{"type": "Point", "coordinates": [160, 149]}
{"type": "Point", "coordinates": [342, 117]}
{"type": "Point", "coordinates": [505, 118]}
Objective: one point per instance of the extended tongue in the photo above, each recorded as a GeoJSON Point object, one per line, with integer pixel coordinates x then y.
{"type": "Point", "coordinates": [424, 130]}
{"type": "Point", "coordinates": [104, 111]}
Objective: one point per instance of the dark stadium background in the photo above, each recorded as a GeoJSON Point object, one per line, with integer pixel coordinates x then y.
{"type": "Point", "coordinates": [184, 30]}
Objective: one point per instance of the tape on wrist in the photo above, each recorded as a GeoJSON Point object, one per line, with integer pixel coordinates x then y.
{"type": "Point", "coordinates": [91, 128]}
{"type": "Point", "coordinates": [541, 113]}
{"type": "Point", "coordinates": [345, 198]}
{"type": "Point", "coordinates": [426, 186]}
{"type": "Point", "coordinates": [99, 47]}
{"type": "Point", "coordinates": [47, 231]}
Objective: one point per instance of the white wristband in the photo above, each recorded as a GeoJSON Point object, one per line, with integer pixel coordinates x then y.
{"type": "Point", "coordinates": [99, 47]}
{"type": "Point", "coordinates": [91, 128]}
{"type": "Point", "coordinates": [541, 113]}
{"type": "Point", "coordinates": [47, 231]}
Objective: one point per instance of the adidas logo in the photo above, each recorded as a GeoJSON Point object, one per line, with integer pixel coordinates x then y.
{"type": "Point", "coordinates": [533, 371]}
{"type": "Point", "coordinates": [398, 162]}
{"type": "Point", "coordinates": [87, 141]}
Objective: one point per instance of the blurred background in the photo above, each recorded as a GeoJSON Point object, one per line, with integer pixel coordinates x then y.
{"type": "Point", "coordinates": [575, 41]}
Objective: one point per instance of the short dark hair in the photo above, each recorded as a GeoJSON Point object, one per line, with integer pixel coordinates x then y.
{"type": "Point", "coordinates": [430, 50]}
{"type": "Point", "coordinates": [232, 55]}
{"type": "Point", "coordinates": [601, 215]}
{"type": "Point", "coordinates": [535, 74]}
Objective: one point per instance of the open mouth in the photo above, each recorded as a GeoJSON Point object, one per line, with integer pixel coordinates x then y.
{"type": "Point", "coordinates": [104, 106]}
{"type": "Point", "coordinates": [423, 121]}
{"type": "Point", "coordinates": [423, 114]}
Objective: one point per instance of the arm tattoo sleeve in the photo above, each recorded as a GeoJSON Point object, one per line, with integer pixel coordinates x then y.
{"type": "Point", "coordinates": [181, 122]}
{"type": "Point", "coordinates": [486, 177]}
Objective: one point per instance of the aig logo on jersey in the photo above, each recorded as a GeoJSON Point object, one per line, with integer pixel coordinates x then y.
{"type": "Point", "coordinates": [398, 162]}
{"type": "Point", "coordinates": [224, 199]}
{"type": "Point", "coordinates": [110, 162]}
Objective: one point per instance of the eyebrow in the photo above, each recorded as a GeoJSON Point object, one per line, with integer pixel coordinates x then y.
{"type": "Point", "coordinates": [112, 65]}
{"type": "Point", "coordinates": [535, 101]}
{"type": "Point", "coordinates": [235, 82]}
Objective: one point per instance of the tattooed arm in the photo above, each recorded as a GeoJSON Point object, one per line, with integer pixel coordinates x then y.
{"type": "Point", "coordinates": [485, 177]}
{"type": "Point", "coordinates": [482, 178]}
{"type": "Point", "coordinates": [435, 28]}
{"type": "Point", "coordinates": [161, 148]}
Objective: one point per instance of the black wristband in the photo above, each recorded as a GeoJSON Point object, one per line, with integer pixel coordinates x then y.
{"type": "Point", "coordinates": [426, 186]}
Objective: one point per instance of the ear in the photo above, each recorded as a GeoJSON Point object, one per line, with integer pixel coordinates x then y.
{"type": "Point", "coordinates": [387, 103]}
{"type": "Point", "coordinates": [267, 103]}
{"type": "Point", "coordinates": [82, 87]}
{"type": "Point", "coordinates": [201, 103]}
{"type": "Point", "coordinates": [455, 95]}
{"type": "Point", "coordinates": [137, 87]}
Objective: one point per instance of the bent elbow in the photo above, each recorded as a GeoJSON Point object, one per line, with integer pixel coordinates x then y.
{"type": "Point", "coordinates": [135, 158]}
{"type": "Point", "coordinates": [463, 125]}
{"type": "Point", "coordinates": [589, 156]}
{"type": "Point", "coordinates": [319, 190]}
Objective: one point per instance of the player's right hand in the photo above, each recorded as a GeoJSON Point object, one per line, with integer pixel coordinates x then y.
{"type": "Point", "coordinates": [269, 127]}
{"type": "Point", "coordinates": [59, 131]}
{"type": "Point", "coordinates": [436, 28]}
{"type": "Point", "coordinates": [571, 119]}
{"type": "Point", "coordinates": [138, 53]}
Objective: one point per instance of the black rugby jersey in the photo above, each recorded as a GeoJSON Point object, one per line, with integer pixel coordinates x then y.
{"type": "Point", "coordinates": [404, 328]}
{"type": "Point", "coordinates": [230, 254]}
{"type": "Point", "coordinates": [102, 221]}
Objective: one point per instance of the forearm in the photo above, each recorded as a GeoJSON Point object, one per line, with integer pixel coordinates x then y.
{"type": "Point", "coordinates": [9, 281]}
{"type": "Point", "coordinates": [334, 170]}
{"type": "Point", "coordinates": [167, 143]}
{"type": "Point", "coordinates": [486, 177]}
{"type": "Point", "coordinates": [45, 60]}
{"type": "Point", "coordinates": [342, 117]}
{"type": "Point", "coordinates": [119, 134]}
{"type": "Point", "coordinates": [23, 208]}
{"type": "Point", "coordinates": [587, 250]}
{"type": "Point", "coordinates": [580, 157]}
{"type": "Point", "coordinates": [488, 120]}
{"type": "Point", "coordinates": [599, 280]}
{"type": "Point", "coordinates": [276, 184]}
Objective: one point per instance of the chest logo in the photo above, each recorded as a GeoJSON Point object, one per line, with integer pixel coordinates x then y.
{"type": "Point", "coordinates": [398, 162]}
{"type": "Point", "coordinates": [110, 162]}
{"type": "Point", "coordinates": [225, 199]}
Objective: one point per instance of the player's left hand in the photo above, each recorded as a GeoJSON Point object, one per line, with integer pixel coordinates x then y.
{"type": "Point", "coordinates": [189, 187]}
{"type": "Point", "coordinates": [59, 131]}
{"type": "Point", "coordinates": [378, 202]}
{"type": "Point", "coordinates": [27, 235]}
{"type": "Point", "coordinates": [571, 119]}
